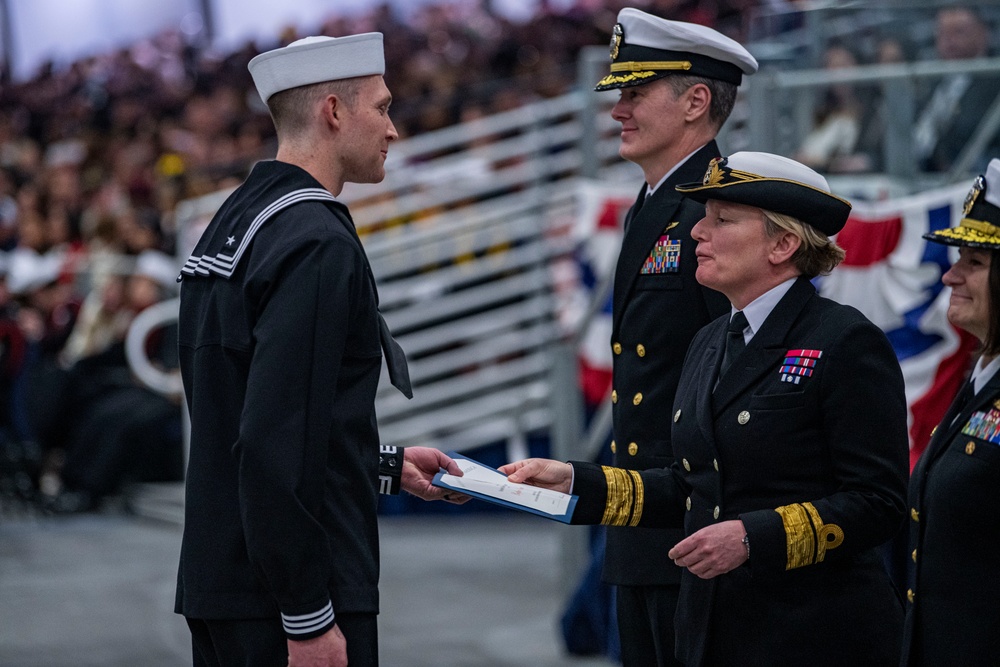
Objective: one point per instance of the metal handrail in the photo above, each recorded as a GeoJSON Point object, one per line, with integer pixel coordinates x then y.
{"type": "Point", "coordinates": [811, 78]}
{"type": "Point", "coordinates": [166, 382]}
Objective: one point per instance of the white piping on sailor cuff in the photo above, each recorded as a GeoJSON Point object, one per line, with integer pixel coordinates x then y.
{"type": "Point", "coordinates": [308, 623]}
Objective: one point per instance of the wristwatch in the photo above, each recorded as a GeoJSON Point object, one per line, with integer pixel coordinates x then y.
{"type": "Point", "coordinates": [746, 543]}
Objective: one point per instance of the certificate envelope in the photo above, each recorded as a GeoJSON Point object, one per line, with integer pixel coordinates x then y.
{"type": "Point", "coordinates": [486, 483]}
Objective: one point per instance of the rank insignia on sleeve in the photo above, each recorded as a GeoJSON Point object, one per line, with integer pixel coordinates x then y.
{"type": "Point", "coordinates": [799, 364]}
{"type": "Point", "coordinates": [664, 258]}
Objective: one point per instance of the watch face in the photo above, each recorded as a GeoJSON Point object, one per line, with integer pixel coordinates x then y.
{"type": "Point", "coordinates": [616, 40]}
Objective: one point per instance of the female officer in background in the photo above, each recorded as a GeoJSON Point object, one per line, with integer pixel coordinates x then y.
{"type": "Point", "coordinates": [951, 611]}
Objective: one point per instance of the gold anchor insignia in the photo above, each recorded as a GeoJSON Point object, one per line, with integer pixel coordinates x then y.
{"type": "Point", "coordinates": [714, 174]}
{"type": "Point", "coordinates": [616, 40]}
{"type": "Point", "coordinates": [970, 199]}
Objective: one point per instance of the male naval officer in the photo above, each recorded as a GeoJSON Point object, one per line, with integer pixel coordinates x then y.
{"type": "Point", "coordinates": [281, 346]}
{"type": "Point", "coordinates": [677, 84]}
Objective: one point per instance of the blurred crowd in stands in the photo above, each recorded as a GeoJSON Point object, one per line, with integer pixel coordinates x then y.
{"type": "Point", "coordinates": [95, 156]}
{"type": "Point", "coordinates": [851, 119]}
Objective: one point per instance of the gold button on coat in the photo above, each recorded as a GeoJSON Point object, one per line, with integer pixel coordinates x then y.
{"type": "Point", "coordinates": [687, 466]}
{"type": "Point", "coordinates": [614, 396]}
{"type": "Point", "coordinates": [637, 399]}
{"type": "Point", "coordinates": [910, 595]}
{"type": "Point", "coordinates": [914, 555]}
{"type": "Point", "coordinates": [914, 514]}
{"type": "Point", "coordinates": [717, 512]}
{"type": "Point", "coordinates": [633, 448]}
{"type": "Point", "coordinates": [715, 464]}
{"type": "Point", "coordinates": [688, 503]}
{"type": "Point", "coordinates": [677, 416]}
{"type": "Point", "coordinates": [640, 349]}
{"type": "Point", "coordinates": [614, 448]}
{"type": "Point", "coordinates": [970, 447]}
{"type": "Point", "coordinates": [743, 417]}
{"type": "Point", "coordinates": [617, 347]}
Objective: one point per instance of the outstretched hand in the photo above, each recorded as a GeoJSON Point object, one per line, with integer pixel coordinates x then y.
{"type": "Point", "coordinates": [420, 464]}
{"type": "Point", "coordinates": [544, 473]}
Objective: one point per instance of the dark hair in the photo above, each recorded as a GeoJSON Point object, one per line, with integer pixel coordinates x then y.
{"type": "Point", "coordinates": [991, 346]}
{"type": "Point", "coordinates": [723, 95]}
{"type": "Point", "coordinates": [906, 47]}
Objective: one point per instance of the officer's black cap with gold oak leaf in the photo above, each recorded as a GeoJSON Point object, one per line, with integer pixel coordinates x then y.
{"type": "Point", "coordinates": [773, 183]}
{"type": "Point", "coordinates": [979, 226]}
{"type": "Point", "coordinates": [645, 48]}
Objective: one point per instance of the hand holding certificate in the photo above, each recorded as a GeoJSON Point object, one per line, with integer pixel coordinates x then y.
{"type": "Point", "coordinates": [485, 483]}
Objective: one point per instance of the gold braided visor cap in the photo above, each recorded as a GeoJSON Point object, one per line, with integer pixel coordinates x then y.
{"type": "Point", "coordinates": [645, 48]}
{"type": "Point", "coordinates": [980, 223]}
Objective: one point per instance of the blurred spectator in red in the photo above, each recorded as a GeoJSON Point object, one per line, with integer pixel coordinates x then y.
{"type": "Point", "coordinates": [20, 457]}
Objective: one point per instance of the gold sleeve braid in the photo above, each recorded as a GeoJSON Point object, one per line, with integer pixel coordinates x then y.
{"type": "Point", "coordinates": [625, 497]}
{"type": "Point", "coordinates": [807, 538]}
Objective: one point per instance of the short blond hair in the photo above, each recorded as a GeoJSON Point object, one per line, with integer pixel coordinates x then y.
{"type": "Point", "coordinates": [290, 109]}
{"type": "Point", "coordinates": [817, 255]}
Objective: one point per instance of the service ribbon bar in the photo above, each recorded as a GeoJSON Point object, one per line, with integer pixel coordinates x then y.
{"type": "Point", "coordinates": [799, 364]}
{"type": "Point", "coordinates": [664, 258]}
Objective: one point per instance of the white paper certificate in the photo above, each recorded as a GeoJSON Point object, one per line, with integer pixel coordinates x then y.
{"type": "Point", "coordinates": [488, 482]}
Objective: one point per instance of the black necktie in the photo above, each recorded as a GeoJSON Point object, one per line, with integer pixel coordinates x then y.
{"type": "Point", "coordinates": [395, 359]}
{"type": "Point", "coordinates": [962, 398]}
{"type": "Point", "coordinates": [734, 341]}
{"type": "Point", "coordinates": [634, 211]}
